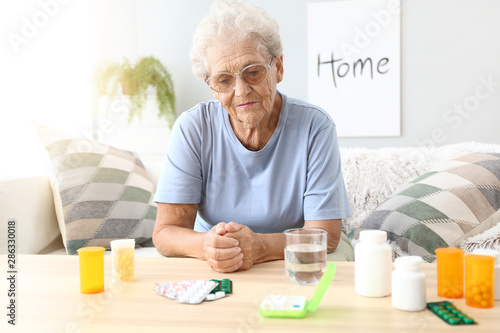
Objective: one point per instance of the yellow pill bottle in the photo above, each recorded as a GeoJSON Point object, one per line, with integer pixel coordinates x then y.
{"type": "Point", "coordinates": [91, 269]}
{"type": "Point", "coordinates": [122, 264]}
{"type": "Point", "coordinates": [479, 281]}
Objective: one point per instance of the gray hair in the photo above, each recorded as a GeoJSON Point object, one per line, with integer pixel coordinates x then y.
{"type": "Point", "coordinates": [233, 21]}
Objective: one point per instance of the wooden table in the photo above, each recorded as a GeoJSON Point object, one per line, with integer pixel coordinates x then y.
{"type": "Point", "coordinates": [48, 299]}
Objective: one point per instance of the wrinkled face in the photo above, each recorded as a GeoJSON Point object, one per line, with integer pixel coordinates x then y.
{"type": "Point", "coordinates": [248, 105]}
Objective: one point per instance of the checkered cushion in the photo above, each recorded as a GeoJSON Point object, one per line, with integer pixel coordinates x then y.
{"type": "Point", "coordinates": [456, 199]}
{"type": "Point", "coordinates": [101, 193]}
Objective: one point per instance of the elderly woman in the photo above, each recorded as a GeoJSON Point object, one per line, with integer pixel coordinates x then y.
{"type": "Point", "coordinates": [252, 163]}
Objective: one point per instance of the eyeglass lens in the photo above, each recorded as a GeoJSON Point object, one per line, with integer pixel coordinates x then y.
{"type": "Point", "coordinates": [253, 74]}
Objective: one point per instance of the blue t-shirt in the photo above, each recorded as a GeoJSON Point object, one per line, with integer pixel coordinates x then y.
{"type": "Point", "coordinates": [296, 177]}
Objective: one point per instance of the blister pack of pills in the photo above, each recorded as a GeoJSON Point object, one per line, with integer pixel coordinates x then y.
{"type": "Point", "coordinates": [224, 285]}
{"type": "Point", "coordinates": [191, 292]}
{"type": "Point", "coordinates": [449, 313]}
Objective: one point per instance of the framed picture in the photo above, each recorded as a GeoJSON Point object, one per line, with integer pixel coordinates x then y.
{"type": "Point", "coordinates": [354, 65]}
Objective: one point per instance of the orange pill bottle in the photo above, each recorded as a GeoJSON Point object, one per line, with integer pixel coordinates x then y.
{"type": "Point", "coordinates": [479, 280]}
{"type": "Point", "coordinates": [450, 272]}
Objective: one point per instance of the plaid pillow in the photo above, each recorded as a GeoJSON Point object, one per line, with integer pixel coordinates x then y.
{"type": "Point", "coordinates": [456, 199]}
{"type": "Point", "coordinates": [101, 193]}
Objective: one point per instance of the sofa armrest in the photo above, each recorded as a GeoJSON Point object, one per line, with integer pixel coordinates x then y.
{"type": "Point", "coordinates": [29, 202]}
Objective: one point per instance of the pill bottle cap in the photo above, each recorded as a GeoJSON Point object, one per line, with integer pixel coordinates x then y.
{"type": "Point", "coordinates": [91, 250]}
{"type": "Point", "coordinates": [449, 252]}
{"type": "Point", "coordinates": [122, 243]}
{"type": "Point", "coordinates": [479, 259]}
{"type": "Point", "coordinates": [408, 262]}
{"type": "Point", "coordinates": [375, 236]}
{"type": "Point", "coordinates": [488, 252]}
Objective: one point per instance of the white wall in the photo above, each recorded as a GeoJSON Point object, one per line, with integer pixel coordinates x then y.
{"type": "Point", "coordinates": [44, 76]}
{"type": "Point", "coordinates": [449, 48]}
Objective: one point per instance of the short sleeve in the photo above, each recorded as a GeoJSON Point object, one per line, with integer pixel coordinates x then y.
{"type": "Point", "coordinates": [181, 177]}
{"type": "Point", "coordinates": [325, 197]}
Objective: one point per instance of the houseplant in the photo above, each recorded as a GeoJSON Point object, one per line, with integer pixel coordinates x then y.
{"type": "Point", "coordinates": [135, 79]}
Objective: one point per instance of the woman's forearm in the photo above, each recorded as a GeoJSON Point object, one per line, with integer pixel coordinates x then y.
{"type": "Point", "coordinates": [334, 228]}
{"type": "Point", "coordinates": [272, 247]}
{"type": "Point", "coordinates": [173, 235]}
{"type": "Point", "coordinates": [175, 241]}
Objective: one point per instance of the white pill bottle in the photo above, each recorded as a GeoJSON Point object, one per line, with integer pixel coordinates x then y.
{"type": "Point", "coordinates": [496, 255]}
{"type": "Point", "coordinates": [372, 264]}
{"type": "Point", "coordinates": [408, 284]}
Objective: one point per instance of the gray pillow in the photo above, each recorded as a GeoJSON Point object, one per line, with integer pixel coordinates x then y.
{"type": "Point", "coordinates": [101, 193]}
{"type": "Point", "coordinates": [454, 200]}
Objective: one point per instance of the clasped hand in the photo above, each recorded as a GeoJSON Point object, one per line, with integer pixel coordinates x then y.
{"type": "Point", "coordinates": [229, 247]}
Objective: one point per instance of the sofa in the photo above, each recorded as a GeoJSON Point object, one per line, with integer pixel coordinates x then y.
{"type": "Point", "coordinates": [93, 193]}
{"type": "Point", "coordinates": [29, 201]}
{"type": "Point", "coordinates": [426, 197]}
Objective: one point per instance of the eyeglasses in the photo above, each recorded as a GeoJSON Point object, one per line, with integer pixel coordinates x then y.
{"type": "Point", "coordinates": [253, 74]}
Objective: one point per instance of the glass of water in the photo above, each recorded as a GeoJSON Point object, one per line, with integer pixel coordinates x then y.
{"type": "Point", "coordinates": [305, 254]}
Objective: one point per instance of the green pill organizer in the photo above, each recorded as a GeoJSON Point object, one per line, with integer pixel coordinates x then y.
{"type": "Point", "coordinates": [285, 306]}
{"type": "Point", "coordinates": [224, 285]}
{"type": "Point", "coordinates": [450, 313]}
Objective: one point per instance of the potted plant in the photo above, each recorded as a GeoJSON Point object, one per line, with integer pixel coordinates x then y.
{"type": "Point", "coordinates": [135, 79]}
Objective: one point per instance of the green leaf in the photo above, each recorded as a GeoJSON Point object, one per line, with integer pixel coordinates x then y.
{"type": "Point", "coordinates": [134, 81]}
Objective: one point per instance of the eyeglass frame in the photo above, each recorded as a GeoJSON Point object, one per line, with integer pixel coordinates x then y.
{"type": "Point", "coordinates": [267, 67]}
